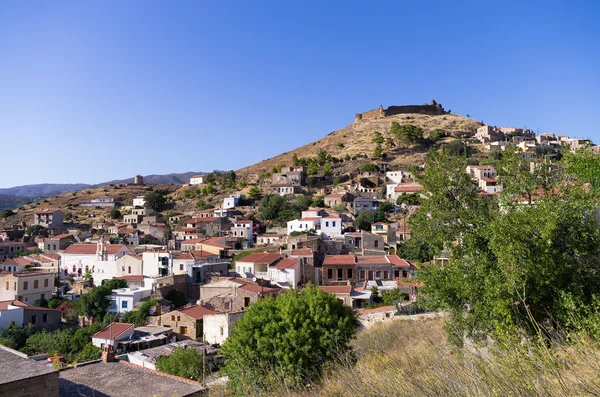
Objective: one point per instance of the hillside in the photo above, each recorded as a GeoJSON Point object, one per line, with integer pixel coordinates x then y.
{"type": "Point", "coordinates": [356, 139]}
{"type": "Point", "coordinates": [43, 189]}
{"type": "Point", "coordinates": [8, 202]}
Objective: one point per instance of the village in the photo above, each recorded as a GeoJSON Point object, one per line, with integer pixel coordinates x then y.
{"type": "Point", "coordinates": [183, 280]}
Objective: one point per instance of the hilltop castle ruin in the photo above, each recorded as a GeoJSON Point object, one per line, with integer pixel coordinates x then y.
{"type": "Point", "coordinates": [432, 109]}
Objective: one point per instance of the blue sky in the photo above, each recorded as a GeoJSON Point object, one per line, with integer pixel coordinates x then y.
{"type": "Point", "coordinates": [94, 92]}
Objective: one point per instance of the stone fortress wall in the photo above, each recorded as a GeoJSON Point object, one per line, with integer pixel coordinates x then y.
{"type": "Point", "coordinates": [432, 109]}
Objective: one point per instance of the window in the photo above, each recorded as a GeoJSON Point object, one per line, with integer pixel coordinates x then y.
{"type": "Point", "coordinates": [181, 266]}
{"type": "Point", "coordinates": [349, 273]}
{"type": "Point", "coordinates": [45, 282]}
{"type": "Point", "coordinates": [123, 269]}
{"type": "Point", "coordinates": [362, 274]}
{"type": "Point", "coordinates": [183, 330]}
{"type": "Point", "coordinates": [178, 318]}
{"type": "Point", "coordinates": [221, 331]}
{"type": "Point", "coordinates": [45, 318]}
{"type": "Point", "coordinates": [339, 274]}
{"type": "Point", "coordinates": [333, 223]}
{"type": "Point", "coordinates": [246, 301]}
{"type": "Point", "coordinates": [329, 273]}
{"type": "Point", "coordinates": [124, 305]}
{"type": "Point", "coordinates": [34, 319]}
{"type": "Point", "coordinates": [376, 243]}
{"type": "Point", "coordinates": [172, 318]}
{"type": "Point", "coordinates": [25, 285]}
{"type": "Point", "coordinates": [54, 247]}
{"type": "Point", "coordinates": [7, 285]}
{"type": "Point", "coordinates": [377, 274]}
{"type": "Point", "coordinates": [385, 274]}
{"type": "Point", "coordinates": [43, 296]}
{"type": "Point", "coordinates": [326, 223]}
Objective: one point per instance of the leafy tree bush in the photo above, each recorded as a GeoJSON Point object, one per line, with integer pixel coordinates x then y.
{"type": "Point", "coordinates": [6, 213]}
{"type": "Point", "coordinates": [369, 167]}
{"type": "Point", "coordinates": [414, 249]}
{"type": "Point", "coordinates": [186, 363]}
{"type": "Point", "coordinates": [436, 135]}
{"type": "Point", "coordinates": [327, 170]}
{"type": "Point", "coordinates": [378, 138]}
{"type": "Point", "coordinates": [312, 168]}
{"type": "Point", "coordinates": [270, 205]}
{"type": "Point", "coordinates": [203, 205]}
{"type": "Point", "coordinates": [138, 317]}
{"type": "Point", "coordinates": [34, 230]}
{"type": "Point", "coordinates": [208, 189]}
{"type": "Point", "coordinates": [254, 193]}
{"type": "Point", "coordinates": [54, 303]}
{"type": "Point", "coordinates": [41, 303]}
{"type": "Point", "coordinates": [378, 152]}
{"type": "Point", "coordinates": [155, 200]}
{"type": "Point", "coordinates": [176, 297]}
{"type": "Point", "coordinates": [407, 133]}
{"type": "Point", "coordinates": [409, 198]}
{"type": "Point", "coordinates": [94, 303]}
{"type": "Point", "coordinates": [526, 260]}
{"type": "Point", "coordinates": [287, 340]}
{"type": "Point", "coordinates": [340, 145]}
{"type": "Point", "coordinates": [295, 161]}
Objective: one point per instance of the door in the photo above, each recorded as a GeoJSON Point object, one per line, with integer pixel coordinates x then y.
{"type": "Point", "coordinates": [183, 330]}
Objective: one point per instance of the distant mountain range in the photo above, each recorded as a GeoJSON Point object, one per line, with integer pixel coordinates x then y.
{"type": "Point", "coordinates": [52, 189]}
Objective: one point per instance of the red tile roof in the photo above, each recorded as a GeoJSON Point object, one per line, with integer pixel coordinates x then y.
{"type": "Point", "coordinates": [113, 330]}
{"type": "Point", "coordinates": [132, 277]}
{"type": "Point", "coordinates": [197, 311]}
{"type": "Point", "coordinates": [4, 304]}
{"type": "Point", "coordinates": [202, 254]}
{"type": "Point", "coordinates": [60, 236]}
{"type": "Point", "coordinates": [257, 289]}
{"type": "Point", "coordinates": [260, 257]}
{"type": "Point", "coordinates": [90, 249]}
{"type": "Point", "coordinates": [337, 289]}
{"type": "Point", "coordinates": [289, 263]}
{"type": "Point", "coordinates": [45, 212]}
{"type": "Point", "coordinates": [271, 235]}
{"type": "Point", "coordinates": [408, 188]}
{"type": "Point", "coordinates": [339, 260]}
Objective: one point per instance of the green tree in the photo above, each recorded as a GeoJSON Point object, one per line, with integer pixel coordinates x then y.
{"type": "Point", "coordinates": [41, 303]}
{"type": "Point", "coordinates": [288, 339]}
{"type": "Point", "coordinates": [34, 230]}
{"type": "Point", "coordinates": [369, 167]}
{"type": "Point", "coordinates": [115, 214]}
{"type": "Point", "coordinates": [312, 168]}
{"type": "Point", "coordinates": [138, 317]}
{"type": "Point", "coordinates": [378, 138]}
{"type": "Point", "coordinates": [254, 193]}
{"type": "Point", "coordinates": [378, 152]}
{"type": "Point", "coordinates": [6, 213]}
{"type": "Point", "coordinates": [409, 198]}
{"type": "Point", "coordinates": [363, 220]}
{"type": "Point", "coordinates": [155, 200]}
{"type": "Point", "coordinates": [54, 303]}
{"type": "Point", "coordinates": [437, 134]}
{"type": "Point", "coordinates": [322, 157]}
{"type": "Point", "coordinates": [407, 133]}
{"type": "Point", "coordinates": [295, 161]}
{"type": "Point", "coordinates": [176, 297]}
{"type": "Point", "coordinates": [203, 205]}
{"type": "Point", "coordinates": [517, 266]}
{"type": "Point", "coordinates": [270, 206]}
{"type": "Point", "coordinates": [208, 189]}
{"type": "Point", "coordinates": [186, 363]}
{"type": "Point", "coordinates": [327, 170]}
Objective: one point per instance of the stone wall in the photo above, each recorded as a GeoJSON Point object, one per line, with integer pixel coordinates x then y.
{"type": "Point", "coordinates": [433, 109]}
{"type": "Point", "coordinates": [234, 300]}
{"type": "Point", "coordinates": [39, 386]}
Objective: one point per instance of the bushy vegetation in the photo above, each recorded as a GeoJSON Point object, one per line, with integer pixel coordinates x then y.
{"type": "Point", "coordinates": [283, 209]}
{"type": "Point", "coordinates": [186, 363]}
{"type": "Point", "coordinates": [155, 200]}
{"type": "Point", "coordinates": [287, 340]}
{"type": "Point", "coordinates": [94, 304]}
{"type": "Point", "coordinates": [407, 133]}
{"type": "Point", "coordinates": [225, 179]}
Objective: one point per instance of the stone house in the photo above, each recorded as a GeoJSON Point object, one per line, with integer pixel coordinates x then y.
{"type": "Point", "coordinates": [233, 294]}
{"type": "Point", "coordinates": [293, 176]}
{"type": "Point", "coordinates": [385, 230]}
{"type": "Point", "coordinates": [23, 314]}
{"type": "Point", "coordinates": [365, 204]}
{"type": "Point", "coordinates": [363, 240]}
{"type": "Point", "coordinates": [339, 269]}
{"type": "Point", "coordinates": [99, 202]}
{"type": "Point", "coordinates": [130, 265]}
{"type": "Point", "coordinates": [284, 189]}
{"type": "Point", "coordinates": [51, 219]}
{"type": "Point", "coordinates": [488, 133]}
{"type": "Point", "coordinates": [186, 322]}
{"type": "Point", "coordinates": [243, 229]}
{"type": "Point", "coordinates": [270, 238]}
{"type": "Point", "coordinates": [308, 272]}
{"type": "Point", "coordinates": [395, 191]}
{"type": "Point", "coordinates": [57, 243]}
{"type": "Point", "coordinates": [348, 295]}
{"type": "Point", "coordinates": [22, 376]}
{"type": "Point", "coordinates": [8, 248]}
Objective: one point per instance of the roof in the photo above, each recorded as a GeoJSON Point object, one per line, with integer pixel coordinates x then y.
{"type": "Point", "coordinates": [213, 241]}
{"type": "Point", "coordinates": [288, 263]}
{"type": "Point", "coordinates": [311, 219]}
{"type": "Point", "coordinates": [337, 260]}
{"type": "Point", "coordinates": [271, 235]}
{"type": "Point", "coordinates": [196, 176]}
{"type": "Point", "coordinates": [15, 366]}
{"type": "Point", "coordinates": [132, 277]}
{"type": "Point", "coordinates": [90, 249]}
{"type": "Point", "coordinates": [281, 185]}
{"type": "Point", "coordinates": [337, 289]}
{"type": "Point", "coordinates": [260, 257]}
{"type": "Point", "coordinates": [120, 379]}
{"type": "Point", "coordinates": [243, 221]}
{"type": "Point", "coordinates": [17, 261]}
{"type": "Point", "coordinates": [60, 236]}
{"type": "Point", "coordinates": [335, 195]}
{"type": "Point", "coordinates": [45, 212]}
{"type": "Point", "coordinates": [113, 330]}
{"type": "Point", "coordinates": [197, 311]}
{"type": "Point", "coordinates": [257, 289]}
{"type": "Point", "coordinates": [408, 188]}
{"type": "Point", "coordinates": [207, 219]}
{"type": "Point", "coordinates": [302, 252]}
{"type": "Point", "coordinates": [4, 304]}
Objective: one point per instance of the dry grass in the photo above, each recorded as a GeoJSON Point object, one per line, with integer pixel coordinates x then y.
{"type": "Point", "coordinates": [411, 358]}
{"type": "Point", "coordinates": [357, 139]}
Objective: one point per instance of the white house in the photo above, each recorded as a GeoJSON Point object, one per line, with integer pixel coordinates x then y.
{"type": "Point", "coordinates": [78, 258]}
{"type": "Point", "coordinates": [303, 225]}
{"type": "Point", "coordinates": [398, 176]}
{"type": "Point", "coordinates": [111, 335]}
{"type": "Point", "coordinates": [197, 180]}
{"type": "Point", "coordinates": [100, 202]}
{"type": "Point", "coordinates": [11, 311]}
{"type": "Point", "coordinates": [331, 226]}
{"type": "Point", "coordinates": [123, 300]}
{"type": "Point", "coordinates": [217, 327]}
{"type": "Point", "coordinates": [243, 228]}
{"type": "Point", "coordinates": [157, 263]}
{"type": "Point", "coordinates": [285, 272]}
{"type": "Point", "coordinates": [139, 201]}
{"type": "Point", "coordinates": [232, 201]}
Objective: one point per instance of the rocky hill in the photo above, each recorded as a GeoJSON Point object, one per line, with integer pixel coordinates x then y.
{"type": "Point", "coordinates": [357, 139]}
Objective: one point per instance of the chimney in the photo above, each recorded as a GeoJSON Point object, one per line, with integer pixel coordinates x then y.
{"type": "Point", "coordinates": [108, 354]}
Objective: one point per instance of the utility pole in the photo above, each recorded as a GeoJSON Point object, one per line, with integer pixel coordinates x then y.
{"type": "Point", "coordinates": [203, 359]}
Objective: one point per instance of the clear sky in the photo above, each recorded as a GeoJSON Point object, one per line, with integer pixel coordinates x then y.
{"type": "Point", "coordinates": [94, 92]}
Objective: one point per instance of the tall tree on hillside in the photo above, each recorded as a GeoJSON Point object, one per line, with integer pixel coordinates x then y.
{"type": "Point", "coordinates": [524, 263]}
{"type": "Point", "coordinates": [155, 200]}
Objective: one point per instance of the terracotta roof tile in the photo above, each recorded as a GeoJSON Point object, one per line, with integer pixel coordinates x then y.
{"type": "Point", "coordinates": [289, 263]}
{"type": "Point", "coordinates": [197, 311]}
{"type": "Point", "coordinates": [113, 330]}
